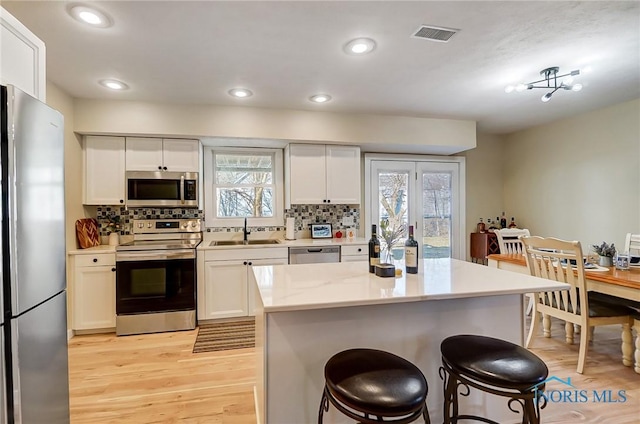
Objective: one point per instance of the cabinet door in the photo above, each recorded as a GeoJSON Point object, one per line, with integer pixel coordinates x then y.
{"type": "Point", "coordinates": [343, 174]}
{"type": "Point", "coordinates": [307, 174]}
{"type": "Point", "coordinates": [144, 154]}
{"type": "Point", "coordinates": [23, 57]}
{"type": "Point", "coordinates": [94, 298]}
{"type": "Point", "coordinates": [181, 155]}
{"type": "Point", "coordinates": [104, 171]}
{"type": "Point", "coordinates": [252, 290]}
{"type": "Point", "coordinates": [225, 289]}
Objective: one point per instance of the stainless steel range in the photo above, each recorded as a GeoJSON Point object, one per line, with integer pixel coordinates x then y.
{"type": "Point", "coordinates": [156, 277]}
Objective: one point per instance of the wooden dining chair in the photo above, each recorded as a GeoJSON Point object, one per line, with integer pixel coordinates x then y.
{"type": "Point", "coordinates": [508, 240]}
{"type": "Point", "coordinates": [632, 244]}
{"type": "Point", "coordinates": [550, 258]}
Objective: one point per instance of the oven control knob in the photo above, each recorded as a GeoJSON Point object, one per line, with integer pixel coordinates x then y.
{"type": "Point", "coordinates": [140, 225]}
{"type": "Point", "coordinates": [185, 225]}
{"type": "Point", "coordinates": [194, 224]}
{"type": "Point", "coordinates": [149, 225]}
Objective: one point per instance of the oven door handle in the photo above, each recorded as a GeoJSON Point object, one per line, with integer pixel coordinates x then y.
{"type": "Point", "coordinates": [156, 256]}
{"type": "Point", "coordinates": [182, 189]}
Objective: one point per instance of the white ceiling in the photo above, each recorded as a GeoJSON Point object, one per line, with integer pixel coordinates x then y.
{"type": "Point", "coordinates": [194, 52]}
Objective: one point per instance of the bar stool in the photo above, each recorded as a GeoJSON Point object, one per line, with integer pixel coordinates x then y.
{"type": "Point", "coordinates": [492, 366]}
{"type": "Point", "coordinates": [370, 385]}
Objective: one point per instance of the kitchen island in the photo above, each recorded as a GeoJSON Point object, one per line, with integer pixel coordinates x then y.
{"type": "Point", "coordinates": [307, 313]}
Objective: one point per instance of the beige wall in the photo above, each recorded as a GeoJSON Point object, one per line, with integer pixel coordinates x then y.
{"type": "Point", "coordinates": [484, 182]}
{"type": "Point", "coordinates": [62, 102]}
{"type": "Point", "coordinates": [384, 133]}
{"type": "Point", "coordinates": [577, 178]}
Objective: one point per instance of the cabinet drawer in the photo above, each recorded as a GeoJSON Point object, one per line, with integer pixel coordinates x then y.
{"type": "Point", "coordinates": [96, 260]}
{"type": "Point", "coordinates": [359, 249]}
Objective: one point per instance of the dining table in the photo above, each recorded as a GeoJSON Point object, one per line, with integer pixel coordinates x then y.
{"type": "Point", "coordinates": [624, 284]}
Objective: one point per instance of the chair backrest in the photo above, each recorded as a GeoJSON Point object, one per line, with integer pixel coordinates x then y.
{"type": "Point", "coordinates": [550, 258]}
{"type": "Point", "coordinates": [508, 240]}
{"type": "Point", "coordinates": [632, 244]}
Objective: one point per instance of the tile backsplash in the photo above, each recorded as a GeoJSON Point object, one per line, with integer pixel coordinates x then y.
{"type": "Point", "coordinates": [107, 213]}
{"type": "Point", "coordinates": [303, 214]}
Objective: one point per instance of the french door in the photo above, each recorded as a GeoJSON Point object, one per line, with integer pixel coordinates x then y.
{"type": "Point", "coordinates": [426, 193]}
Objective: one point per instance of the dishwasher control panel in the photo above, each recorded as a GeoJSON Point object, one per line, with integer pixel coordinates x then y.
{"type": "Point", "coordinates": [314, 255]}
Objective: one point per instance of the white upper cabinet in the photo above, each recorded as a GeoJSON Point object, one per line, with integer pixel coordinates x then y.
{"type": "Point", "coordinates": [22, 61]}
{"type": "Point", "coordinates": [104, 170]}
{"type": "Point", "coordinates": [323, 174]}
{"type": "Point", "coordinates": [157, 154]}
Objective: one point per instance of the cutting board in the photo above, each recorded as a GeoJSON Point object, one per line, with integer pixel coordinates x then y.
{"type": "Point", "coordinates": [87, 233]}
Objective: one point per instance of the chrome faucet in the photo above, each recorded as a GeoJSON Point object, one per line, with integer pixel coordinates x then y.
{"type": "Point", "coordinates": [246, 233]}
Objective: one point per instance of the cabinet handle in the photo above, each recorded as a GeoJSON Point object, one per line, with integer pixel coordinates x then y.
{"type": "Point", "coordinates": [359, 250]}
{"type": "Point", "coordinates": [164, 168]}
{"type": "Point", "coordinates": [159, 168]}
{"type": "Point", "coordinates": [250, 263]}
{"type": "Point", "coordinates": [95, 259]}
{"type": "Point", "coordinates": [244, 263]}
{"type": "Point", "coordinates": [121, 201]}
{"type": "Point", "coordinates": [324, 200]}
{"type": "Point", "coordinates": [113, 269]}
{"type": "Point", "coordinates": [329, 201]}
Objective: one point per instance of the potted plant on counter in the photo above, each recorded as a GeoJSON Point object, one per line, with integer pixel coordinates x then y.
{"type": "Point", "coordinates": [606, 252]}
{"type": "Point", "coordinates": [113, 228]}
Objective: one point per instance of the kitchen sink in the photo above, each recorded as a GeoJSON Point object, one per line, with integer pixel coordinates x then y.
{"type": "Point", "coordinates": [242, 243]}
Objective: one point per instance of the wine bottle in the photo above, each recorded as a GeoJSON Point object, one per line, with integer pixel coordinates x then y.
{"type": "Point", "coordinates": [374, 249]}
{"type": "Point", "coordinates": [513, 224]}
{"type": "Point", "coordinates": [503, 221]}
{"type": "Point", "coordinates": [480, 228]}
{"type": "Point", "coordinates": [411, 253]}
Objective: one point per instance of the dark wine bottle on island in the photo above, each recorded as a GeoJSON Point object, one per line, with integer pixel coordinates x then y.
{"type": "Point", "coordinates": [411, 253]}
{"type": "Point", "coordinates": [374, 249]}
{"type": "Point", "coordinates": [503, 221]}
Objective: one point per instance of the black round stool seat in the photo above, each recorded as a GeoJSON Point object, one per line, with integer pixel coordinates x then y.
{"type": "Point", "coordinates": [493, 361]}
{"type": "Point", "coordinates": [493, 366]}
{"type": "Point", "coordinates": [374, 383]}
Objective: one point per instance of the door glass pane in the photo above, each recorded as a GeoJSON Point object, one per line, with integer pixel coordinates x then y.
{"type": "Point", "coordinates": [394, 217]}
{"type": "Point", "coordinates": [436, 214]}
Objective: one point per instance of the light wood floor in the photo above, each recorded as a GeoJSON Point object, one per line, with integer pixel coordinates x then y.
{"type": "Point", "coordinates": [156, 379]}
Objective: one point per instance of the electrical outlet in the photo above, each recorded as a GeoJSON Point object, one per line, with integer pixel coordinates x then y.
{"type": "Point", "coordinates": [305, 224]}
{"type": "Point", "coordinates": [347, 220]}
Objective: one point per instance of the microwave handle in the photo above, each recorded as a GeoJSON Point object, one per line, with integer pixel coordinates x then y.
{"type": "Point", "coordinates": [182, 189]}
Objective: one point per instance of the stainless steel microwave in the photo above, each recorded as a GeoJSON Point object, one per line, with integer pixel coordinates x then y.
{"type": "Point", "coordinates": [162, 189]}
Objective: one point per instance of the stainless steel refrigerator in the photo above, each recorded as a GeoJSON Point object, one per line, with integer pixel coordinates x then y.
{"type": "Point", "coordinates": [35, 373]}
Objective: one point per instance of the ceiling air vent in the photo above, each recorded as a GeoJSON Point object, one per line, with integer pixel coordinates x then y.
{"type": "Point", "coordinates": [435, 33]}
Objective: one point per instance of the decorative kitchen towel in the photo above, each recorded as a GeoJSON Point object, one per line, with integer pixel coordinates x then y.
{"type": "Point", "coordinates": [87, 233]}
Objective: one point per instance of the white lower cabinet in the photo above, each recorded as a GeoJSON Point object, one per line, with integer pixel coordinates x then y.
{"type": "Point", "coordinates": [354, 253]}
{"type": "Point", "coordinates": [93, 289]}
{"type": "Point", "coordinates": [225, 289]}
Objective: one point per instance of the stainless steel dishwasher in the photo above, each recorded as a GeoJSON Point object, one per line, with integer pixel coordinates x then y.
{"type": "Point", "coordinates": [314, 255]}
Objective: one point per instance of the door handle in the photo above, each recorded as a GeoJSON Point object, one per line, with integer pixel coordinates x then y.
{"type": "Point", "coordinates": [182, 189]}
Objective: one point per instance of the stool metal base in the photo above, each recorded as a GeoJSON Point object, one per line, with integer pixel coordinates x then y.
{"type": "Point", "coordinates": [366, 418]}
{"type": "Point", "coordinates": [529, 402]}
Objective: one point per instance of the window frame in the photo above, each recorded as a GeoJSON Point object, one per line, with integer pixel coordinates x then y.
{"type": "Point", "coordinates": [209, 188]}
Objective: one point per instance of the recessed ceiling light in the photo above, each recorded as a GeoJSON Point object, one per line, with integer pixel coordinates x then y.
{"type": "Point", "coordinates": [360, 46]}
{"type": "Point", "coordinates": [89, 15]}
{"type": "Point", "coordinates": [320, 98]}
{"type": "Point", "coordinates": [240, 93]}
{"type": "Point", "coordinates": [114, 84]}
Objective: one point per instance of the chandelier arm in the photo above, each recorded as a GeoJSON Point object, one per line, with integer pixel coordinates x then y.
{"type": "Point", "coordinates": [548, 80]}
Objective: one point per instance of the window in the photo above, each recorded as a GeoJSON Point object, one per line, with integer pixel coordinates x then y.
{"type": "Point", "coordinates": [243, 182]}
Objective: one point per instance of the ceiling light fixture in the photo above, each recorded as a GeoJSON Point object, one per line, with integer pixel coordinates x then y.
{"type": "Point", "coordinates": [320, 98]}
{"type": "Point", "coordinates": [551, 81]}
{"type": "Point", "coordinates": [240, 93]}
{"type": "Point", "coordinates": [114, 84]}
{"type": "Point", "coordinates": [360, 46]}
{"type": "Point", "coordinates": [89, 15]}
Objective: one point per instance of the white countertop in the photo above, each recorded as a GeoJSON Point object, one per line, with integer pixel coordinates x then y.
{"type": "Point", "coordinates": [330, 285]}
{"type": "Point", "coordinates": [103, 248]}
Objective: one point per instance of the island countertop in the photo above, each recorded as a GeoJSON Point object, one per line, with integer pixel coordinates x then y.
{"type": "Point", "coordinates": [330, 285]}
